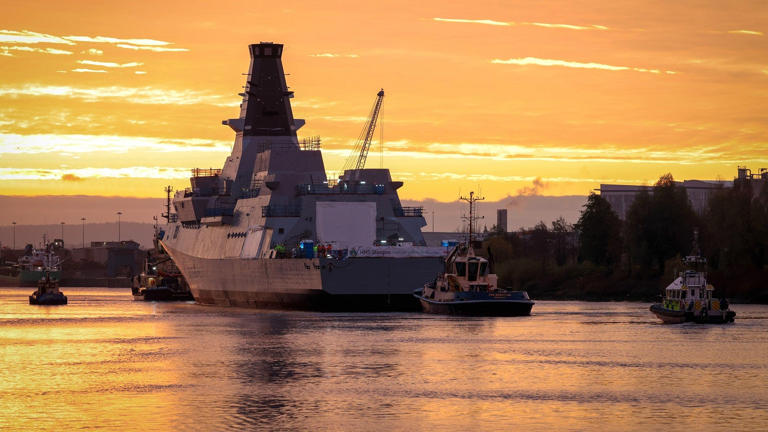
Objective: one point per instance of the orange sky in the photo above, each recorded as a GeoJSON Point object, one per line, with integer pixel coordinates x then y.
{"type": "Point", "coordinates": [121, 98]}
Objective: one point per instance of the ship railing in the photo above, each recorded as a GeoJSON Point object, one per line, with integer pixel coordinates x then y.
{"type": "Point", "coordinates": [310, 189]}
{"type": "Point", "coordinates": [408, 211]}
{"type": "Point", "coordinates": [281, 211]}
{"type": "Point", "coordinates": [205, 172]}
{"type": "Point", "coordinates": [305, 144]}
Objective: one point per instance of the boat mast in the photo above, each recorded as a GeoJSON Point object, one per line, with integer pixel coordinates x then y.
{"type": "Point", "coordinates": [472, 218]}
{"type": "Point", "coordinates": [167, 215]}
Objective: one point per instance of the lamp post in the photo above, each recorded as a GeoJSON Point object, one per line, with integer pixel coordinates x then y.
{"type": "Point", "coordinates": [118, 225]}
{"type": "Point", "coordinates": [14, 235]}
{"type": "Point", "coordinates": [83, 219]}
{"type": "Point", "coordinates": [62, 232]}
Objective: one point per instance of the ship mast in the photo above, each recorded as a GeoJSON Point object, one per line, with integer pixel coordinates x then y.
{"type": "Point", "coordinates": [472, 200]}
{"type": "Point", "coordinates": [167, 215]}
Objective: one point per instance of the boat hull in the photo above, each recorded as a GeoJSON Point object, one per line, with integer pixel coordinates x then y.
{"type": "Point", "coordinates": [48, 299]}
{"type": "Point", "coordinates": [477, 307]}
{"type": "Point", "coordinates": [677, 317]}
{"type": "Point", "coordinates": [161, 294]}
{"type": "Point", "coordinates": [354, 284]}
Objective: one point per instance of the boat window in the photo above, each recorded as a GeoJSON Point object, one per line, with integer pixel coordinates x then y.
{"type": "Point", "coordinates": [461, 269]}
{"type": "Point", "coordinates": [472, 273]}
{"type": "Point", "coordinates": [483, 268]}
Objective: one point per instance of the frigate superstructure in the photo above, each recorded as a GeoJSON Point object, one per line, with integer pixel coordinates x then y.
{"type": "Point", "coordinates": [270, 230]}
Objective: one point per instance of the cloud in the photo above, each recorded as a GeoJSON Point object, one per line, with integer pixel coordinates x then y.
{"type": "Point", "coordinates": [112, 40]}
{"type": "Point", "coordinates": [568, 26]}
{"type": "Point", "coordinates": [28, 37]}
{"type": "Point", "coordinates": [140, 72]}
{"type": "Point", "coordinates": [570, 64]}
{"type": "Point", "coordinates": [4, 50]}
{"type": "Point", "coordinates": [150, 48]}
{"type": "Point", "coordinates": [137, 95]}
{"type": "Point", "coordinates": [13, 143]}
{"type": "Point", "coordinates": [331, 55]}
{"type": "Point", "coordinates": [475, 21]}
{"type": "Point", "coordinates": [110, 64]}
{"type": "Point", "coordinates": [511, 23]}
{"type": "Point", "coordinates": [71, 177]}
{"type": "Point", "coordinates": [68, 174]}
{"type": "Point", "coordinates": [81, 70]}
{"type": "Point", "coordinates": [746, 32]}
{"type": "Point", "coordinates": [93, 51]}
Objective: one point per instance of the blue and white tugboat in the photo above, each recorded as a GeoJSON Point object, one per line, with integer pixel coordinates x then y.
{"type": "Point", "coordinates": [689, 297]}
{"type": "Point", "coordinates": [467, 286]}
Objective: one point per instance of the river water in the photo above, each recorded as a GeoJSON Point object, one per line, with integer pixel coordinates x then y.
{"type": "Point", "coordinates": [106, 362]}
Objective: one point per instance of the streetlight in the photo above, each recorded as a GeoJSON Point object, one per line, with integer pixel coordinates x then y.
{"type": "Point", "coordinates": [62, 232]}
{"type": "Point", "coordinates": [83, 219]}
{"type": "Point", "coordinates": [118, 225]}
{"type": "Point", "coordinates": [14, 235]}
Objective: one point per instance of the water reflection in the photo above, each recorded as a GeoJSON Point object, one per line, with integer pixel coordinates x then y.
{"type": "Point", "coordinates": [106, 362]}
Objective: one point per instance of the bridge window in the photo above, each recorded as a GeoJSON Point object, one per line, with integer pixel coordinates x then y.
{"type": "Point", "coordinates": [461, 269]}
{"type": "Point", "coordinates": [472, 272]}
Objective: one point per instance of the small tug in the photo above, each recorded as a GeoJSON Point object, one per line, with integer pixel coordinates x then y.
{"type": "Point", "coordinates": [689, 297]}
{"type": "Point", "coordinates": [47, 293]}
{"type": "Point", "coordinates": [467, 288]}
{"type": "Point", "coordinates": [161, 280]}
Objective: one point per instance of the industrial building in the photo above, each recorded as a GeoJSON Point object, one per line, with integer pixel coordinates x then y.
{"type": "Point", "coordinates": [621, 197]}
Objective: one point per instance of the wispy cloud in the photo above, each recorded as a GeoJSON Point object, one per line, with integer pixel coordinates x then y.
{"type": "Point", "coordinates": [138, 95]}
{"type": "Point", "coordinates": [110, 64]}
{"type": "Point", "coordinates": [83, 70]}
{"type": "Point", "coordinates": [6, 49]}
{"type": "Point", "coordinates": [81, 174]}
{"type": "Point", "coordinates": [11, 143]}
{"type": "Point", "coordinates": [512, 23]}
{"type": "Point", "coordinates": [93, 51]}
{"type": "Point", "coordinates": [475, 21]}
{"type": "Point", "coordinates": [332, 55]}
{"type": "Point", "coordinates": [568, 26]}
{"type": "Point", "coordinates": [746, 32]}
{"type": "Point", "coordinates": [29, 37]}
{"type": "Point", "coordinates": [534, 61]}
{"type": "Point", "coordinates": [150, 48]}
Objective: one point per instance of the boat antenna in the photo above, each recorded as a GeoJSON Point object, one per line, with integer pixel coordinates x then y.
{"type": "Point", "coordinates": [472, 200]}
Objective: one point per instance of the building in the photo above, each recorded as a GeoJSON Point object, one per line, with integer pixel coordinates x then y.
{"type": "Point", "coordinates": [621, 197]}
{"type": "Point", "coordinates": [123, 258]}
{"type": "Point", "coordinates": [501, 220]}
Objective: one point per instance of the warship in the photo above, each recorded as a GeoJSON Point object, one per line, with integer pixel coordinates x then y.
{"type": "Point", "coordinates": [271, 230]}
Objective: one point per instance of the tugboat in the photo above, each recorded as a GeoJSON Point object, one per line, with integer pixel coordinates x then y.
{"type": "Point", "coordinates": [689, 297]}
{"type": "Point", "coordinates": [161, 280]}
{"type": "Point", "coordinates": [48, 292]}
{"type": "Point", "coordinates": [467, 287]}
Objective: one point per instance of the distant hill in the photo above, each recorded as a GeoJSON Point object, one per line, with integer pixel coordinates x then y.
{"type": "Point", "coordinates": [43, 214]}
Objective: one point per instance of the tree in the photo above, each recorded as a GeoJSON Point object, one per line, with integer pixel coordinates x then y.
{"type": "Point", "coordinates": [660, 225]}
{"type": "Point", "coordinates": [599, 231]}
{"type": "Point", "coordinates": [560, 232]}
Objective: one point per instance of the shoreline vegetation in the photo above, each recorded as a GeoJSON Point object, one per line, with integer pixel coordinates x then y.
{"type": "Point", "coordinates": [604, 258]}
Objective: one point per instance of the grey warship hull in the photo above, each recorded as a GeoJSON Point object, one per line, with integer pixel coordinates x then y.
{"type": "Point", "coordinates": [271, 230]}
{"type": "Point", "coordinates": [356, 284]}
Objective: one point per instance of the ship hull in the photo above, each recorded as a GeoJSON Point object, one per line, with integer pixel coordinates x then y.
{"type": "Point", "coordinates": [354, 284]}
{"type": "Point", "coordinates": [476, 307]}
{"type": "Point", "coordinates": [678, 317]}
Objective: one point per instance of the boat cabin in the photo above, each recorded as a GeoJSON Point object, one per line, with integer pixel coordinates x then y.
{"type": "Point", "coordinates": [466, 272]}
{"type": "Point", "coordinates": [689, 289]}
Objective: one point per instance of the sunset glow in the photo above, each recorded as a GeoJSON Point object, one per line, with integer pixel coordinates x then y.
{"type": "Point", "coordinates": [123, 98]}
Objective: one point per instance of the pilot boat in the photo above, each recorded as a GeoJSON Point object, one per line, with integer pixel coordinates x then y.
{"type": "Point", "coordinates": [468, 288]}
{"type": "Point", "coordinates": [689, 297]}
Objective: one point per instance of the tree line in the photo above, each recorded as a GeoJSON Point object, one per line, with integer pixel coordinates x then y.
{"type": "Point", "coordinates": [603, 257]}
